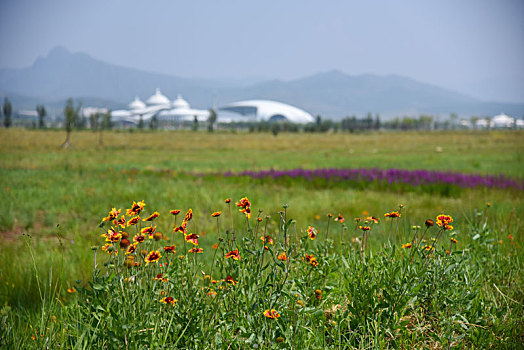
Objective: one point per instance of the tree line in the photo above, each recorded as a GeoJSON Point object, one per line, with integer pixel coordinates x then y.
{"type": "Point", "coordinates": [97, 122]}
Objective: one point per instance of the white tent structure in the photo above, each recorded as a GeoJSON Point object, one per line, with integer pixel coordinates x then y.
{"type": "Point", "coordinates": [160, 106]}
{"type": "Point", "coordinates": [182, 111]}
{"type": "Point", "coordinates": [263, 110]}
{"type": "Point", "coordinates": [482, 123]}
{"type": "Point", "coordinates": [502, 121]}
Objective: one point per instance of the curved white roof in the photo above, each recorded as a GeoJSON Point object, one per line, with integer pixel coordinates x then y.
{"type": "Point", "coordinates": [137, 104]}
{"type": "Point", "coordinates": [157, 99]}
{"type": "Point", "coordinates": [180, 103]}
{"type": "Point", "coordinates": [502, 121]}
{"type": "Point", "coordinates": [269, 110]}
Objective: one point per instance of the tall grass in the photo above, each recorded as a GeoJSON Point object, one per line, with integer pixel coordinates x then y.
{"type": "Point", "coordinates": [332, 291]}
{"type": "Point", "coordinates": [52, 199]}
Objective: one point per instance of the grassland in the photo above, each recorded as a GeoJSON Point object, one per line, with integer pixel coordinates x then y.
{"type": "Point", "coordinates": [43, 186]}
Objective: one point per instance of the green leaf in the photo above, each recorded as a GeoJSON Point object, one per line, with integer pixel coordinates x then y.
{"type": "Point", "coordinates": [97, 286]}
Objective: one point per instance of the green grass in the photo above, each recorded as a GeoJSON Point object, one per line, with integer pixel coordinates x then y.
{"type": "Point", "coordinates": [43, 186]}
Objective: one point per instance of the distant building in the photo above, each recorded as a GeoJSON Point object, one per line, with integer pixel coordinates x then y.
{"type": "Point", "coordinates": [179, 111]}
{"type": "Point", "coordinates": [263, 110]}
{"type": "Point", "coordinates": [160, 106]}
{"type": "Point", "coordinates": [502, 121]}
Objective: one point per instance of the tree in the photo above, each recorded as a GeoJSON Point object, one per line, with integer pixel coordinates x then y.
{"type": "Point", "coordinates": [275, 128]}
{"type": "Point", "coordinates": [153, 123]}
{"type": "Point", "coordinates": [195, 123]}
{"type": "Point", "coordinates": [140, 123]}
{"type": "Point", "coordinates": [376, 126]}
{"type": "Point", "coordinates": [318, 123]}
{"type": "Point", "coordinates": [71, 116]}
{"type": "Point", "coordinates": [81, 122]}
{"type": "Point", "coordinates": [8, 110]}
{"type": "Point", "coordinates": [103, 123]}
{"type": "Point", "coordinates": [42, 113]}
{"type": "Point", "coordinates": [107, 124]}
{"type": "Point", "coordinates": [211, 119]}
{"type": "Point", "coordinates": [94, 121]}
{"type": "Point", "coordinates": [369, 121]}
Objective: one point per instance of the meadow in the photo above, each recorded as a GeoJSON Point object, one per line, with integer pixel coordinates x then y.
{"type": "Point", "coordinates": [373, 295]}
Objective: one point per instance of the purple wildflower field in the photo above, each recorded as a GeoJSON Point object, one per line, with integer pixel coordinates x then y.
{"type": "Point", "coordinates": [410, 177]}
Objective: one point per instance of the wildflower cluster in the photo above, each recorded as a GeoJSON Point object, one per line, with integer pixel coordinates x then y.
{"type": "Point", "coordinates": [245, 206]}
{"type": "Point", "coordinates": [265, 276]}
{"type": "Point", "coordinates": [444, 221]}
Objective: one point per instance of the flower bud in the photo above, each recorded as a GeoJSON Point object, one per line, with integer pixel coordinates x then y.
{"type": "Point", "coordinates": [124, 243]}
{"type": "Point", "coordinates": [157, 236]}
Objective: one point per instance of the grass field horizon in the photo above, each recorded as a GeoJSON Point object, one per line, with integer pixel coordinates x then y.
{"type": "Point", "coordinates": [44, 186]}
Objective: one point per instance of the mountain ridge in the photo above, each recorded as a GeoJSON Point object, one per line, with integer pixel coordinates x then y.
{"type": "Point", "coordinates": [333, 94]}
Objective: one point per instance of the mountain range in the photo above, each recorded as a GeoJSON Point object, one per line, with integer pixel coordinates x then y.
{"type": "Point", "coordinates": [333, 94]}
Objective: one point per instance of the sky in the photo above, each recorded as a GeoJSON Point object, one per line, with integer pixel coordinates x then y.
{"type": "Point", "coordinates": [472, 46]}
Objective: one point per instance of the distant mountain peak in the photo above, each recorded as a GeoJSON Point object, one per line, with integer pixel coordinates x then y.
{"type": "Point", "coordinates": [58, 51]}
{"type": "Point", "coordinates": [332, 93]}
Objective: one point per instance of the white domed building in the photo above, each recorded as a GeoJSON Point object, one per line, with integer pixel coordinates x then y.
{"type": "Point", "coordinates": [157, 99]}
{"type": "Point", "coordinates": [263, 110]}
{"type": "Point", "coordinates": [181, 111]}
{"type": "Point", "coordinates": [160, 106]}
{"type": "Point", "coordinates": [502, 121]}
{"type": "Point", "coordinates": [136, 104]}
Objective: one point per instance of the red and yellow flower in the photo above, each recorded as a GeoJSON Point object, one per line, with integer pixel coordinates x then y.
{"type": "Point", "coordinates": [282, 256]}
{"type": "Point", "coordinates": [139, 238]}
{"type": "Point", "coordinates": [229, 279]}
{"type": "Point", "coordinates": [133, 221]}
{"type": "Point", "coordinates": [192, 238]}
{"type": "Point", "coordinates": [407, 245]}
{"type": "Point", "coordinates": [216, 214]}
{"type": "Point", "coordinates": [136, 208]}
{"type": "Point", "coordinates": [364, 228]}
{"type": "Point", "coordinates": [110, 249]}
{"type": "Point", "coordinates": [340, 218]}
{"type": "Point", "coordinates": [245, 206]}
{"type": "Point", "coordinates": [267, 239]}
{"type": "Point", "coordinates": [132, 248]}
{"type": "Point", "coordinates": [169, 301]}
{"type": "Point", "coordinates": [233, 254]}
{"type": "Point", "coordinates": [112, 236]}
{"type": "Point", "coordinates": [121, 222]}
{"type": "Point", "coordinates": [188, 216]}
{"type": "Point", "coordinates": [372, 218]}
{"type": "Point", "coordinates": [444, 221]}
{"type": "Point", "coordinates": [153, 257]}
{"type": "Point", "coordinates": [175, 212]}
{"type": "Point", "coordinates": [182, 228]}
{"type": "Point", "coordinates": [393, 214]}
{"type": "Point", "coordinates": [170, 249]}
{"type": "Point", "coordinates": [152, 216]}
{"type": "Point", "coordinates": [312, 232]}
{"type": "Point", "coordinates": [453, 240]}
{"type": "Point", "coordinates": [148, 231]}
{"type": "Point", "coordinates": [271, 314]}
{"type": "Point", "coordinates": [311, 259]}
{"type": "Point", "coordinates": [161, 278]}
{"type": "Point", "coordinates": [113, 213]}
{"type": "Point", "coordinates": [196, 250]}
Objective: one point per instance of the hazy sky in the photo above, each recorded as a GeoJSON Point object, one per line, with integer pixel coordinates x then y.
{"type": "Point", "coordinates": [475, 46]}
